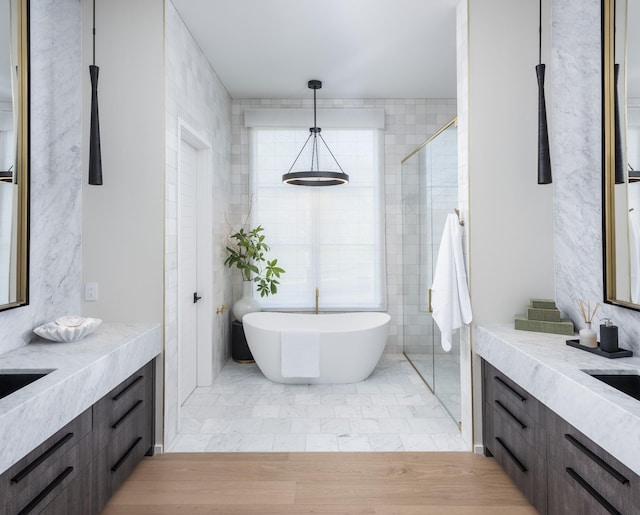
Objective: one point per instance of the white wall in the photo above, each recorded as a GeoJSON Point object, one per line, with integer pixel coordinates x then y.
{"type": "Point", "coordinates": [462, 95]}
{"type": "Point", "coordinates": [123, 220]}
{"type": "Point", "coordinates": [55, 227]}
{"type": "Point", "coordinates": [510, 220]}
{"type": "Point", "coordinates": [511, 216]}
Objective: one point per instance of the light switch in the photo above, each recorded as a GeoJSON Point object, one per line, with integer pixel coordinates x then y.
{"type": "Point", "coordinates": [91, 291]}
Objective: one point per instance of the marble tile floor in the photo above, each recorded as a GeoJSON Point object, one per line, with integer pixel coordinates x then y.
{"type": "Point", "coordinates": [442, 373]}
{"type": "Point", "coordinates": [390, 411]}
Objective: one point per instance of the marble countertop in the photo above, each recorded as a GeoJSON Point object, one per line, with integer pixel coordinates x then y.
{"type": "Point", "coordinates": [83, 372]}
{"type": "Point", "coordinates": [554, 373]}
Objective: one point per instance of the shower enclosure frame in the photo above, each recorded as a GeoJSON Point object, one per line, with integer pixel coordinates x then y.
{"type": "Point", "coordinates": [429, 194]}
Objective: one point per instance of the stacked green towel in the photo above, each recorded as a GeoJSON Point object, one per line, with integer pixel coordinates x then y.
{"type": "Point", "coordinates": [544, 317]}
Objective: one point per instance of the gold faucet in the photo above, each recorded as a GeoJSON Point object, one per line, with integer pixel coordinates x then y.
{"type": "Point", "coordinates": [317, 296]}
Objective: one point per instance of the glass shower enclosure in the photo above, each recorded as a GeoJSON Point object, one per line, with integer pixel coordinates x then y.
{"type": "Point", "coordinates": [429, 194]}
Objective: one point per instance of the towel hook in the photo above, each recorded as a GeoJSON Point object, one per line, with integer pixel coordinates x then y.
{"type": "Point", "coordinates": [460, 220]}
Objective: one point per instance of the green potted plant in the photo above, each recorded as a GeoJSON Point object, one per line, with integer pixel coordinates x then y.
{"type": "Point", "coordinates": [246, 252]}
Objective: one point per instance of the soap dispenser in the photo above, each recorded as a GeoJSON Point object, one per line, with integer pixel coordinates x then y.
{"type": "Point", "coordinates": [608, 336]}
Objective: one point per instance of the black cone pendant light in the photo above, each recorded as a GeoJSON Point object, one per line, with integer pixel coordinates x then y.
{"type": "Point", "coordinates": [544, 157]}
{"type": "Point", "coordinates": [314, 176]}
{"type": "Point", "coordinates": [95, 156]}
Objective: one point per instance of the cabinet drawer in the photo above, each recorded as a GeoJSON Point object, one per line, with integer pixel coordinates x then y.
{"type": "Point", "coordinates": [116, 461]}
{"type": "Point", "coordinates": [51, 482]}
{"type": "Point", "coordinates": [591, 471]}
{"type": "Point", "coordinates": [123, 403]}
{"type": "Point", "coordinates": [500, 391]}
{"type": "Point", "coordinates": [522, 413]}
{"type": "Point", "coordinates": [36, 470]}
{"type": "Point", "coordinates": [74, 499]}
{"type": "Point", "coordinates": [522, 462]}
{"type": "Point", "coordinates": [566, 496]}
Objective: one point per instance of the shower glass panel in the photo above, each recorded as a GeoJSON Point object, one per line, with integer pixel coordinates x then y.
{"type": "Point", "coordinates": [429, 194]}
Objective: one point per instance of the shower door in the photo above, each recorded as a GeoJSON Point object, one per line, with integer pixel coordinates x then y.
{"type": "Point", "coordinates": [429, 194]}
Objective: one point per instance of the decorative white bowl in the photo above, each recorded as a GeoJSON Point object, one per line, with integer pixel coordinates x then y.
{"type": "Point", "coordinates": [58, 332]}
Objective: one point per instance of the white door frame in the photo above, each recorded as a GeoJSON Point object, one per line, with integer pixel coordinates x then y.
{"type": "Point", "coordinates": [204, 350]}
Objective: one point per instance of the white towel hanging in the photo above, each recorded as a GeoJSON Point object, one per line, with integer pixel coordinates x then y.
{"type": "Point", "coordinates": [450, 294]}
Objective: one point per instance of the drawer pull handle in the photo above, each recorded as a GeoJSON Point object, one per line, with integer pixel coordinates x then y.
{"type": "Point", "coordinates": [592, 491]}
{"type": "Point", "coordinates": [124, 392]}
{"type": "Point", "coordinates": [513, 457]}
{"type": "Point", "coordinates": [123, 417]}
{"type": "Point", "coordinates": [608, 468]}
{"type": "Point", "coordinates": [125, 455]}
{"type": "Point", "coordinates": [508, 412]}
{"type": "Point", "coordinates": [509, 388]}
{"type": "Point", "coordinates": [35, 463]}
{"type": "Point", "coordinates": [38, 498]}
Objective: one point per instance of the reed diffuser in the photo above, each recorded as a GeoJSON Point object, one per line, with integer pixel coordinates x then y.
{"type": "Point", "coordinates": [587, 335]}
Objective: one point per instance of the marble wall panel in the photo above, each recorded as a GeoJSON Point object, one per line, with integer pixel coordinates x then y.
{"type": "Point", "coordinates": [195, 97]}
{"type": "Point", "coordinates": [576, 139]}
{"type": "Point", "coordinates": [56, 175]}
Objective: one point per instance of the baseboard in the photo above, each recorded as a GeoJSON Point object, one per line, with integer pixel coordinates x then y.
{"type": "Point", "coordinates": [478, 449]}
{"type": "Point", "coordinates": [157, 449]}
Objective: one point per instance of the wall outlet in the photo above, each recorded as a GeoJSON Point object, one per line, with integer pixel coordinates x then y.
{"type": "Point", "coordinates": [91, 291]}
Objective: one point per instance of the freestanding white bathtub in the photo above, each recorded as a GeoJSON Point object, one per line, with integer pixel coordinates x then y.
{"type": "Point", "coordinates": [350, 343]}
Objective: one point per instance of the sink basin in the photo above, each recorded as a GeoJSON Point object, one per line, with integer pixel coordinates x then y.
{"type": "Point", "coordinates": [12, 380]}
{"type": "Point", "coordinates": [626, 383]}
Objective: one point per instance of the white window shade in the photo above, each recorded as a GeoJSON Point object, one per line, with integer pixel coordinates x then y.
{"type": "Point", "coordinates": [333, 118]}
{"type": "Point", "coordinates": [331, 238]}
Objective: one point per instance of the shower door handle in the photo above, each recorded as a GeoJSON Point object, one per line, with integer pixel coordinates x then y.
{"type": "Point", "coordinates": [196, 298]}
{"type": "Point", "coordinates": [430, 306]}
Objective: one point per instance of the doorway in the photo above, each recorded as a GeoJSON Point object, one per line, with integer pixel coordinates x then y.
{"type": "Point", "coordinates": [195, 247]}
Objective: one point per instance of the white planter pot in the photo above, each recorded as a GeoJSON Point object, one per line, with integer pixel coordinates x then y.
{"type": "Point", "coordinates": [245, 304]}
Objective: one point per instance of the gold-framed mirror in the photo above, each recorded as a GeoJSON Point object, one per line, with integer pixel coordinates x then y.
{"type": "Point", "coordinates": [14, 153]}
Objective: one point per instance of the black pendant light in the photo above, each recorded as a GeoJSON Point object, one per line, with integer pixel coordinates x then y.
{"type": "Point", "coordinates": [95, 155]}
{"type": "Point", "coordinates": [314, 176]}
{"type": "Point", "coordinates": [544, 157]}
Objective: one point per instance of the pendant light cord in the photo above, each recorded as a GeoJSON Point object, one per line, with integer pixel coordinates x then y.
{"type": "Point", "coordinates": [315, 125]}
{"type": "Point", "coordinates": [539, 34]}
{"type": "Point", "coordinates": [94, 32]}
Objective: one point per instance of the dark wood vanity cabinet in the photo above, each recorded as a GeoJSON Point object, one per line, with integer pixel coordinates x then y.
{"type": "Point", "coordinates": [560, 471]}
{"type": "Point", "coordinates": [77, 469]}
{"type": "Point", "coordinates": [584, 478]}
{"type": "Point", "coordinates": [39, 478]}
{"type": "Point", "coordinates": [514, 434]}
{"type": "Point", "coordinates": [122, 433]}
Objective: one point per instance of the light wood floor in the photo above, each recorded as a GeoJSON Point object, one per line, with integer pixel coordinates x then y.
{"type": "Point", "coordinates": [319, 483]}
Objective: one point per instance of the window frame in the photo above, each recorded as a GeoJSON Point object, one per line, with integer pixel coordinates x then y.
{"type": "Point", "coordinates": [271, 303]}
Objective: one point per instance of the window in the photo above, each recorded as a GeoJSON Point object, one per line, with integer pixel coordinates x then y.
{"type": "Point", "coordinates": [330, 238]}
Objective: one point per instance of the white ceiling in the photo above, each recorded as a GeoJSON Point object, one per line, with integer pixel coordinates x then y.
{"type": "Point", "coordinates": [357, 48]}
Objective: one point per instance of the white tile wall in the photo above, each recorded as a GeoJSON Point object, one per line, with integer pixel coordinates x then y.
{"type": "Point", "coordinates": [429, 184]}
{"type": "Point", "coordinates": [195, 95]}
{"type": "Point", "coordinates": [408, 123]}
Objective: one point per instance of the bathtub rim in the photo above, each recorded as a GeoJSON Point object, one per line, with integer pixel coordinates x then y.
{"type": "Point", "coordinates": [385, 320]}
